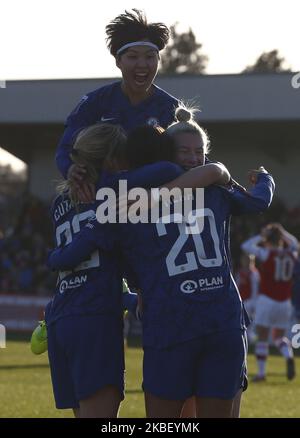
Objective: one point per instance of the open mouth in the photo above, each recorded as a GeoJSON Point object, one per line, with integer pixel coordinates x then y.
{"type": "Point", "coordinates": [141, 78]}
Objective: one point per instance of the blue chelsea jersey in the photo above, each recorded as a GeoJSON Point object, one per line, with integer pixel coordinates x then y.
{"type": "Point", "coordinates": [186, 282]}
{"type": "Point", "coordinates": [93, 286]}
{"type": "Point", "coordinates": [109, 104]}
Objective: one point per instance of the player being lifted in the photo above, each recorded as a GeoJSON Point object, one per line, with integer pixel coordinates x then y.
{"type": "Point", "coordinates": [134, 101]}
{"type": "Point", "coordinates": [276, 249]}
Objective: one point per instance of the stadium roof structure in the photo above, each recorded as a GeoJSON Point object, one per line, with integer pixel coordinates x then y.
{"type": "Point", "coordinates": [252, 120]}
{"type": "Point", "coordinates": [243, 97]}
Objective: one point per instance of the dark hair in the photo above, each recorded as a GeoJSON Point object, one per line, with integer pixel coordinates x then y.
{"type": "Point", "coordinates": [133, 26]}
{"type": "Point", "coordinates": [273, 234]}
{"type": "Point", "coordinates": [149, 144]}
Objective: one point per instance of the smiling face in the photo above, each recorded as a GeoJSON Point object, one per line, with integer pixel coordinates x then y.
{"type": "Point", "coordinates": [139, 65]}
{"type": "Point", "coordinates": [189, 150]}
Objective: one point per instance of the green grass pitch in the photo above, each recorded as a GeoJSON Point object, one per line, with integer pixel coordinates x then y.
{"type": "Point", "coordinates": [26, 391]}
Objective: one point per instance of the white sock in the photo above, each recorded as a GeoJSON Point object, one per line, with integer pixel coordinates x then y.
{"type": "Point", "coordinates": [261, 353]}
{"type": "Point", "coordinates": [285, 347]}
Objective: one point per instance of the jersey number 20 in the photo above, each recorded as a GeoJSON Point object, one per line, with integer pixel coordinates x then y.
{"type": "Point", "coordinates": [184, 234]}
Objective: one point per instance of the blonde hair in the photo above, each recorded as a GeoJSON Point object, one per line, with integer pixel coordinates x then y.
{"type": "Point", "coordinates": [95, 147]}
{"type": "Point", "coordinates": [186, 124]}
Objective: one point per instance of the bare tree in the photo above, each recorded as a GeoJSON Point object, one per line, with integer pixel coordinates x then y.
{"type": "Point", "coordinates": [183, 54]}
{"type": "Point", "coordinates": [268, 62]}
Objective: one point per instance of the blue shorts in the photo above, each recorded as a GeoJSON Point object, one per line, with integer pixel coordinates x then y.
{"type": "Point", "coordinates": [212, 366]}
{"type": "Point", "coordinates": [86, 353]}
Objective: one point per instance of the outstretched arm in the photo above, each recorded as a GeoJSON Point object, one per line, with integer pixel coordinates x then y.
{"type": "Point", "coordinates": [86, 113]}
{"type": "Point", "coordinates": [289, 239]}
{"type": "Point", "coordinates": [251, 246]}
{"type": "Point", "coordinates": [201, 176]}
{"type": "Point", "coordinates": [257, 199]}
{"type": "Point", "coordinates": [93, 236]}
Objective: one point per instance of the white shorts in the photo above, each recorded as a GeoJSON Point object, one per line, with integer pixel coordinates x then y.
{"type": "Point", "coordinates": [272, 313]}
{"type": "Point", "coordinates": [250, 307]}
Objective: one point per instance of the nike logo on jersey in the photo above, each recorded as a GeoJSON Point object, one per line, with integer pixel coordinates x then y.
{"type": "Point", "coordinates": [106, 119]}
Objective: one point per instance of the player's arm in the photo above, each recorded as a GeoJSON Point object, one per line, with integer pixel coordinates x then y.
{"type": "Point", "coordinates": [201, 176]}
{"type": "Point", "coordinates": [149, 177]}
{"type": "Point", "coordinates": [169, 175]}
{"type": "Point", "coordinates": [290, 240]}
{"type": "Point", "coordinates": [153, 175]}
{"type": "Point", "coordinates": [62, 156]}
{"type": "Point", "coordinates": [83, 115]}
{"type": "Point", "coordinates": [257, 199]}
{"type": "Point", "coordinates": [251, 246]}
{"type": "Point", "coordinates": [255, 282]}
{"type": "Point", "coordinates": [92, 236]}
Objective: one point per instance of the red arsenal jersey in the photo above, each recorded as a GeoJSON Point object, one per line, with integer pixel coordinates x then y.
{"type": "Point", "coordinates": [276, 274]}
{"type": "Point", "coordinates": [247, 280]}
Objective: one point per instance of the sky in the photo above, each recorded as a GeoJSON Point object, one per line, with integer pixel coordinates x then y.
{"type": "Point", "coordinates": [52, 39]}
{"type": "Point", "coordinates": [7, 158]}
{"type": "Point", "coordinates": [44, 39]}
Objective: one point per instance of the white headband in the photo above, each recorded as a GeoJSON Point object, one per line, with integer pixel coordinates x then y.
{"type": "Point", "coordinates": [137, 43]}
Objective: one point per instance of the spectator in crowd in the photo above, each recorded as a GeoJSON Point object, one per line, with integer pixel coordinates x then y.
{"type": "Point", "coordinates": [23, 251]}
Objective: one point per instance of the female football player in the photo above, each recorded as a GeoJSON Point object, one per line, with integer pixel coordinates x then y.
{"type": "Point", "coordinates": [85, 317]}
{"type": "Point", "coordinates": [133, 101]}
{"type": "Point", "coordinates": [191, 145]}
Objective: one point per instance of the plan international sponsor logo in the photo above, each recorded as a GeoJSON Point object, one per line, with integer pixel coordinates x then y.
{"type": "Point", "coordinates": [191, 286]}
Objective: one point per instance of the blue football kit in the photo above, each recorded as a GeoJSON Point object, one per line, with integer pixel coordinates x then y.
{"type": "Point", "coordinates": [187, 286]}
{"type": "Point", "coordinates": [85, 317]}
{"type": "Point", "coordinates": [80, 289]}
{"type": "Point", "coordinates": [190, 300]}
{"type": "Point", "coordinates": [109, 104]}
{"type": "Point", "coordinates": [193, 318]}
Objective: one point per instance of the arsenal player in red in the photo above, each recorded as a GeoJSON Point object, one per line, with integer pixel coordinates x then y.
{"type": "Point", "coordinates": [276, 249]}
